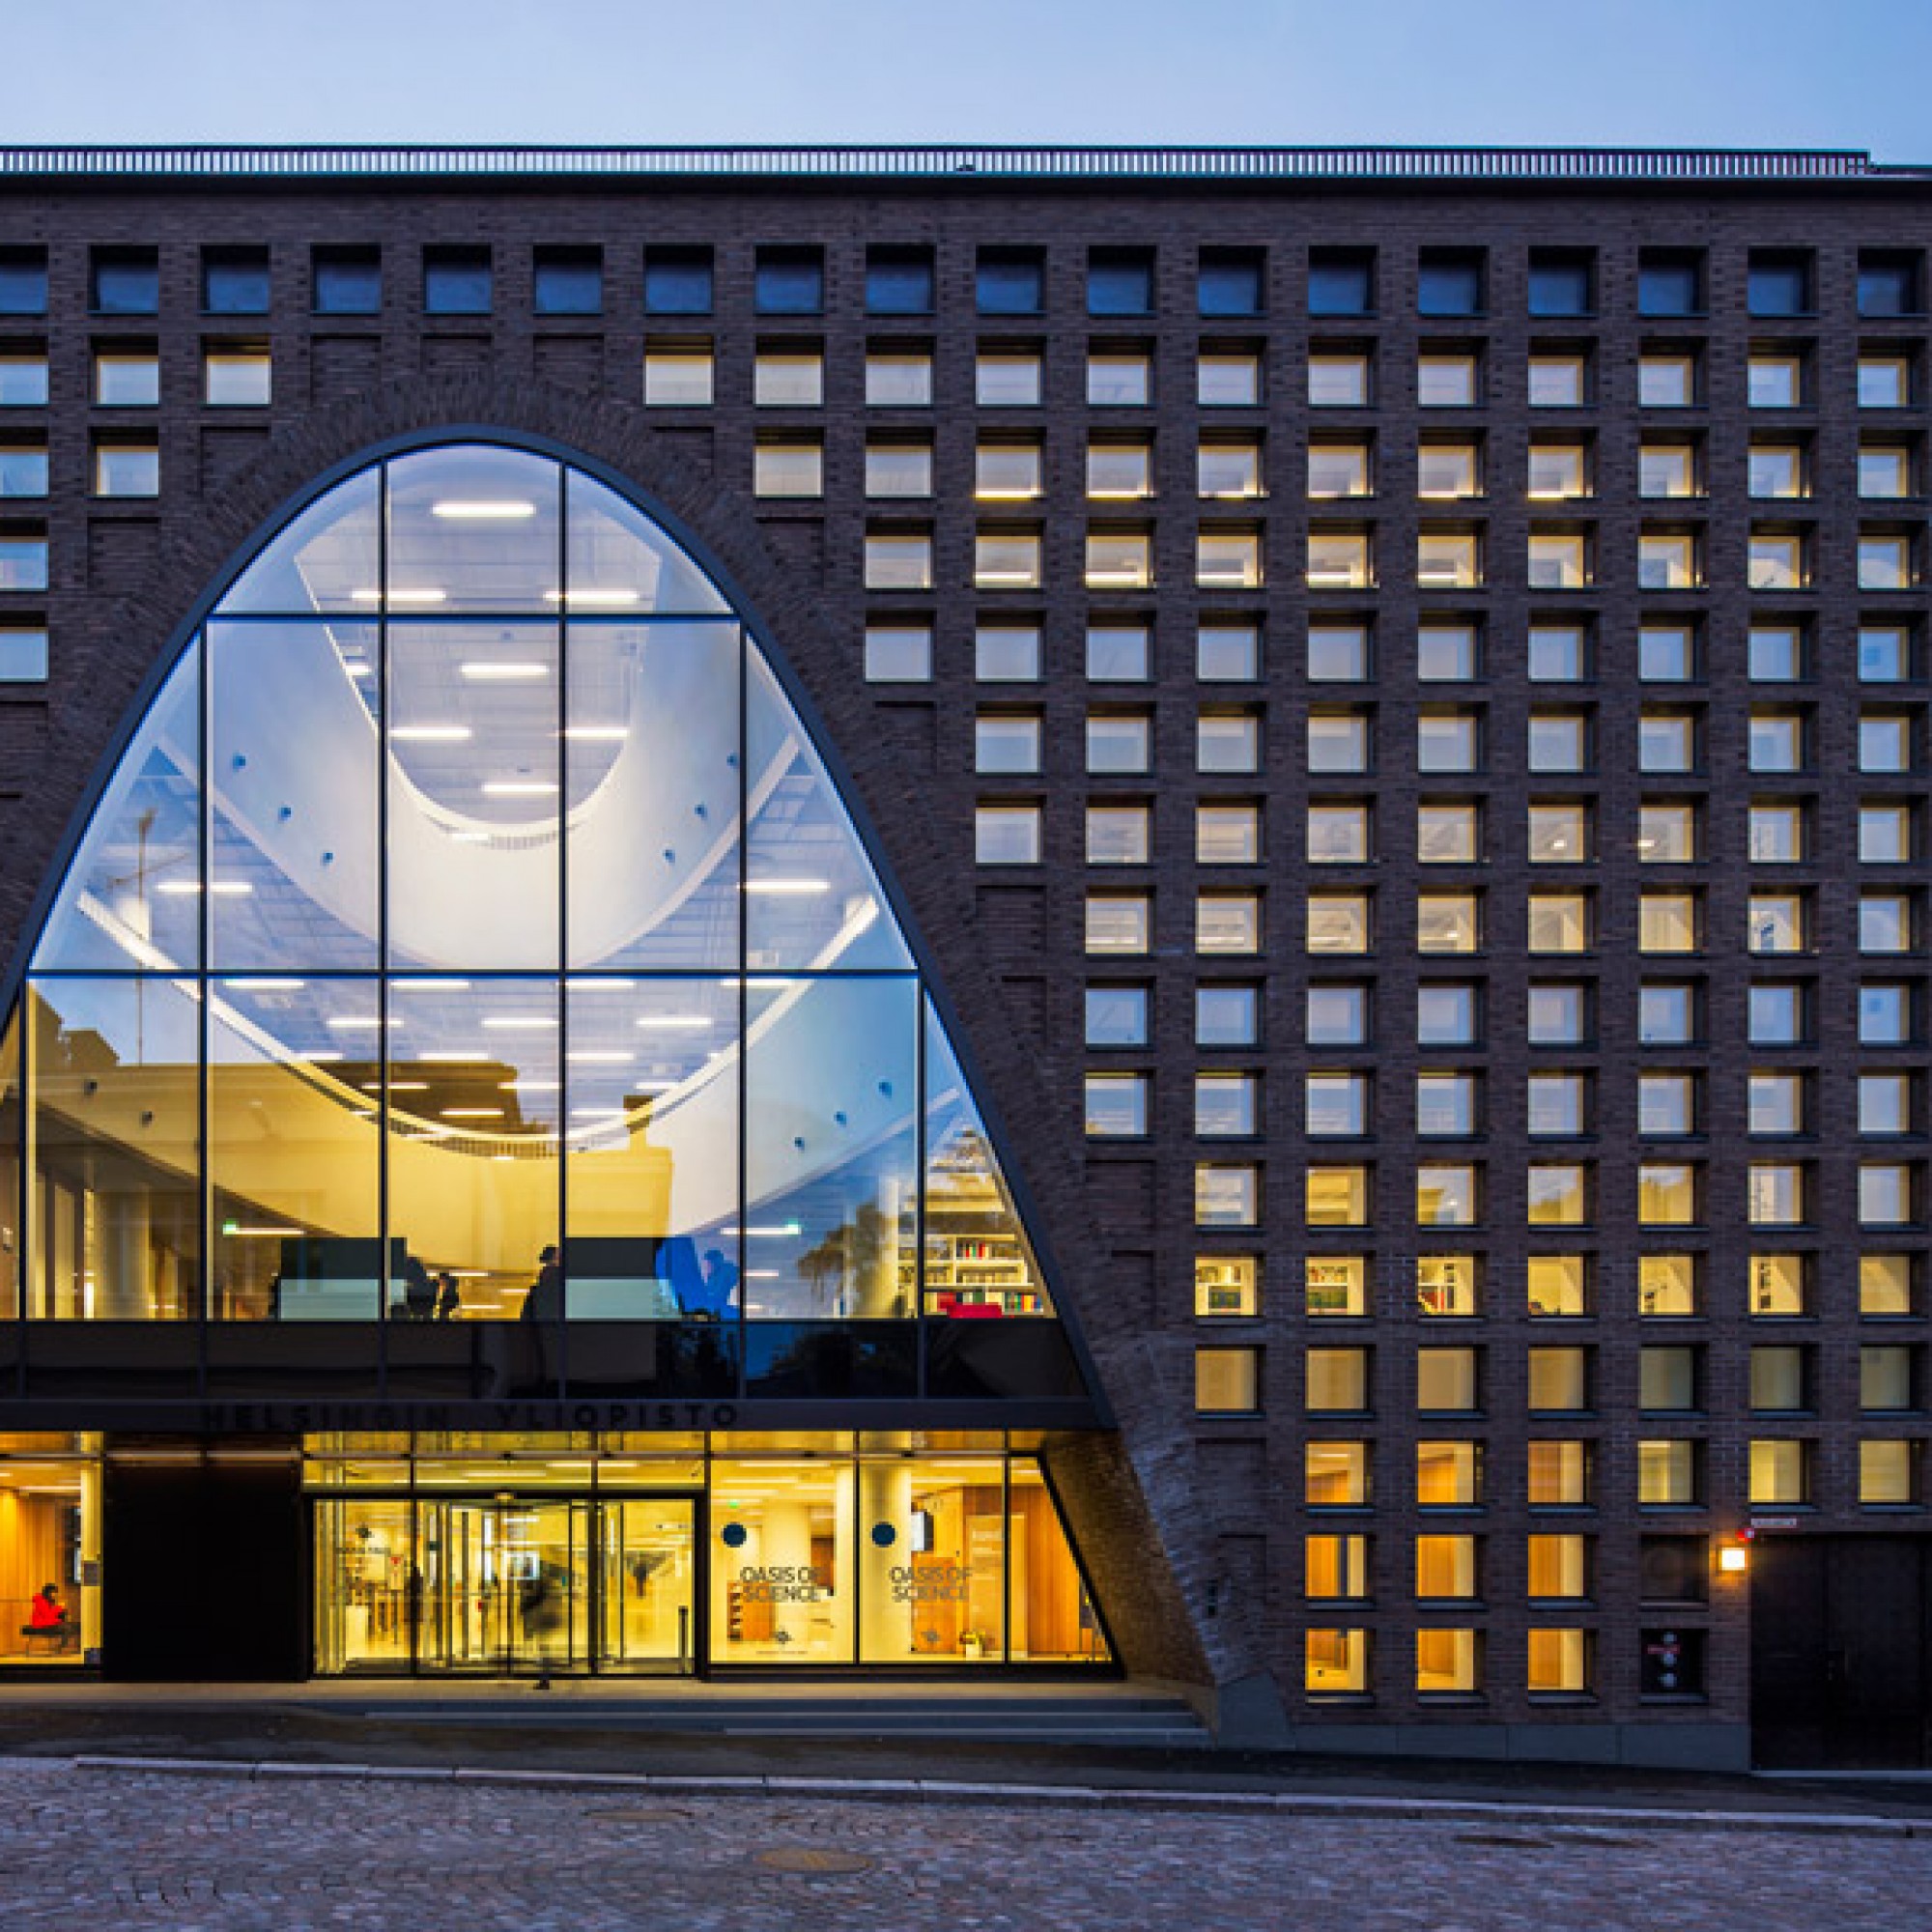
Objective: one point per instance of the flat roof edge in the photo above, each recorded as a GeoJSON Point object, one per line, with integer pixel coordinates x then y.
{"type": "Point", "coordinates": [1373, 162]}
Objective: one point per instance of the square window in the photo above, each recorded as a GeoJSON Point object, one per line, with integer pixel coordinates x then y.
{"type": "Point", "coordinates": [1337, 835]}
{"type": "Point", "coordinates": [1778, 284]}
{"type": "Point", "coordinates": [789, 281]}
{"type": "Point", "coordinates": [1229, 282]}
{"type": "Point", "coordinates": [126, 378]}
{"type": "Point", "coordinates": [1227, 1381]}
{"type": "Point", "coordinates": [1226, 922]}
{"type": "Point", "coordinates": [1118, 378]}
{"type": "Point", "coordinates": [1119, 281]}
{"type": "Point", "coordinates": [1228, 835]}
{"type": "Point", "coordinates": [1447, 1194]}
{"type": "Point", "coordinates": [1561, 284]}
{"type": "Point", "coordinates": [1119, 834]}
{"type": "Point", "coordinates": [898, 281]}
{"type": "Point", "coordinates": [1334, 1285]}
{"type": "Point", "coordinates": [1669, 285]}
{"type": "Point", "coordinates": [1006, 560]}
{"type": "Point", "coordinates": [1333, 1015]}
{"type": "Point", "coordinates": [1118, 923]}
{"type": "Point", "coordinates": [1446, 1106]}
{"type": "Point", "coordinates": [1226, 1195]}
{"type": "Point", "coordinates": [1448, 741]}
{"type": "Point", "coordinates": [899, 653]}
{"type": "Point", "coordinates": [1338, 379]}
{"type": "Point", "coordinates": [125, 281]}
{"type": "Point", "coordinates": [1557, 1286]}
{"type": "Point", "coordinates": [1449, 834]}
{"type": "Point", "coordinates": [1559, 378]}
{"type": "Point", "coordinates": [1226, 1286]}
{"type": "Point", "coordinates": [237, 376]}
{"type": "Point", "coordinates": [127, 470]}
{"type": "Point", "coordinates": [1448, 560]}
{"type": "Point", "coordinates": [23, 380]}
{"type": "Point", "coordinates": [1448, 922]}
{"type": "Point", "coordinates": [1006, 472]}
{"type": "Point", "coordinates": [1559, 922]}
{"type": "Point", "coordinates": [1115, 471]}
{"type": "Point", "coordinates": [1776, 560]}
{"type": "Point", "coordinates": [1887, 1472]}
{"type": "Point", "coordinates": [1779, 1472]}
{"type": "Point", "coordinates": [1557, 1105]}
{"type": "Point", "coordinates": [567, 281]}
{"type": "Point", "coordinates": [789, 469]}
{"type": "Point", "coordinates": [1884, 1285]}
{"type": "Point", "coordinates": [1667, 834]}
{"type": "Point", "coordinates": [1006, 742]}
{"type": "Point", "coordinates": [1227, 471]}
{"type": "Point", "coordinates": [1776, 1015]}
{"type": "Point", "coordinates": [1889, 285]}
{"type": "Point", "coordinates": [1448, 1013]}
{"type": "Point", "coordinates": [1558, 1194]}
{"type": "Point", "coordinates": [899, 378]}
{"type": "Point", "coordinates": [1338, 470]}
{"type": "Point", "coordinates": [1558, 1381]}
{"type": "Point", "coordinates": [1339, 922]}
{"type": "Point", "coordinates": [1885, 560]}
{"type": "Point", "coordinates": [456, 281]}
{"type": "Point", "coordinates": [1227, 653]}
{"type": "Point", "coordinates": [1226, 1105]}
{"type": "Point", "coordinates": [1448, 379]}
{"type": "Point", "coordinates": [899, 469]}
{"type": "Point", "coordinates": [1774, 379]}
{"type": "Point", "coordinates": [23, 281]}
{"type": "Point", "coordinates": [1227, 559]}
{"type": "Point", "coordinates": [1558, 1013]}
{"type": "Point", "coordinates": [1119, 654]}
{"type": "Point", "coordinates": [1006, 653]}
{"type": "Point", "coordinates": [1666, 379]}
{"type": "Point", "coordinates": [1884, 381]}
{"type": "Point", "coordinates": [677, 378]}
{"type": "Point", "coordinates": [1559, 471]}
{"type": "Point", "coordinates": [1667, 1472]}
{"type": "Point", "coordinates": [1335, 1567]}
{"type": "Point", "coordinates": [1227, 1015]}
{"type": "Point", "coordinates": [1335, 1105]}
{"type": "Point", "coordinates": [1011, 281]}
{"type": "Point", "coordinates": [788, 378]}
{"type": "Point", "coordinates": [1447, 652]}
{"type": "Point", "coordinates": [678, 281]}
{"type": "Point", "coordinates": [1558, 741]}
{"type": "Point", "coordinates": [1337, 653]}
{"type": "Point", "coordinates": [1341, 281]}
{"type": "Point", "coordinates": [1116, 561]}
{"type": "Point", "coordinates": [1228, 380]}
{"type": "Point", "coordinates": [23, 469]}
{"type": "Point", "coordinates": [1117, 1106]}
{"type": "Point", "coordinates": [234, 281]}
{"type": "Point", "coordinates": [1560, 1474]}
{"type": "Point", "coordinates": [1558, 560]}
{"type": "Point", "coordinates": [23, 560]}
{"type": "Point", "coordinates": [1885, 470]}
{"type": "Point", "coordinates": [1448, 1475]}
{"type": "Point", "coordinates": [1118, 741]}
{"type": "Point", "coordinates": [1007, 379]}
{"type": "Point", "coordinates": [897, 561]}
{"type": "Point", "coordinates": [1335, 1197]}
{"type": "Point", "coordinates": [24, 650]}
{"type": "Point", "coordinates": [1448, 470]}
{"type": "Point", "coordinates": [1006, 835]}
{"type": "Point", "coordinates": [1884, 1015]}
{"type": "Point", "coordinates": [1777, 653]}
{"type": "Point", "coordinates": [1449, 283]}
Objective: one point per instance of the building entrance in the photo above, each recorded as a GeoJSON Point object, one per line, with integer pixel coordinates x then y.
{"type": "Point", "coordinates": [507, 1585]}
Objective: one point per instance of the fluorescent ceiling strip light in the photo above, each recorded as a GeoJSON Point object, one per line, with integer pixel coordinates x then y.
{"type": "Point", "coordinates": [483, 510]}
{"type": "Point", "coordinates": [429, 734]}
{"type": "Point", "coordinates": [502, 670]}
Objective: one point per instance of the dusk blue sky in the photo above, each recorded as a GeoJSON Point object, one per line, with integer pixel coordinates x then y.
{"type": "Point", "coordinates": [1653, 72]}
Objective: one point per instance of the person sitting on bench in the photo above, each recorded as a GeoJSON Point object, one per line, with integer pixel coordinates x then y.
{"type": "Point", "coordinates": [47, 1617]}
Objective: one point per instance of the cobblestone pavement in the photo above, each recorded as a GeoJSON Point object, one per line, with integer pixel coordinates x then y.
{"type": "Point", "coordinates": [94, 1847]}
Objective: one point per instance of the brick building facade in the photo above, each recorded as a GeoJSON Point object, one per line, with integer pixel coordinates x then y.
{"type": "Point", "coordinates": [1390, 691]}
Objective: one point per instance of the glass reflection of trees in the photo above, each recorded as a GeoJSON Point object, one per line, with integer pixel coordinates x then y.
{"type": "Point", "coordinates": [470, 890]}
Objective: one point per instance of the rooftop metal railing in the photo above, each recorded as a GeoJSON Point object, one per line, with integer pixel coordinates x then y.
{"type": "Point", "coordinates": [1004, 163]}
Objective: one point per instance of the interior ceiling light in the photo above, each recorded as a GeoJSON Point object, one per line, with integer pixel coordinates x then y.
{"type": "Point", "coordinates": [598, 734]}
{"type": "Point", "coordinates": [422, 596]}
{"type": "Point", "coordinates": [788, 888]}
{"type": "Point", "coordinates": [483, 510]}
{"type": "Point", "coordinates": [429, 985]}
{"type": "Point", "coordinates": [597, 1056]}
{"type": "Point", "coordinates": [503, 671]}
{"type": "Point", "coordinates": [453, 1057]}
{"type": "Point", "coordinates": [519, 1022]}
{"type": "Point", "coordinates": [674, 1022]}
{"type": "Point", "coordinates": [429, 734]}
{"type": "Point", "coordinates": [518, 788]}
{"type": "Point", "coordinates": [265, 985]}
{"type": "Point", "coordinates": [595, 597]}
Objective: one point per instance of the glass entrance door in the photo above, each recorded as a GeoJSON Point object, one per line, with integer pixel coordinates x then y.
{"type": "Point", "coordinates": [507, 1585]}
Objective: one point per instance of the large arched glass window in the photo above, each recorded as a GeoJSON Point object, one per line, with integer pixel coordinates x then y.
{"type": "Point", "coordinates": [471, 891]}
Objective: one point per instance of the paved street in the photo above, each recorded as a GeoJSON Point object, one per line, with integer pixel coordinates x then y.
{"type": "Point", "coordinates": [89, 1846]}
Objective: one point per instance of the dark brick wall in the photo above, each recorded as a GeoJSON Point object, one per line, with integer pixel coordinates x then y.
{"type": "Point", "coordinates": [1223, 1497]}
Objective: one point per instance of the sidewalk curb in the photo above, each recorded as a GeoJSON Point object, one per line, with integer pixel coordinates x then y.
{"type": "Point", "coordinates": [1580, 1818]}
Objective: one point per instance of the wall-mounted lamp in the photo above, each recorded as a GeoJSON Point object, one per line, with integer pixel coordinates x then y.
{"type": "Point", "coordinates": [1734, 1560]}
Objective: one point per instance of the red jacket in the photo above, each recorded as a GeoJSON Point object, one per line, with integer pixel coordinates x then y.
{"type": "Point", "coordinates": [46, 1614]}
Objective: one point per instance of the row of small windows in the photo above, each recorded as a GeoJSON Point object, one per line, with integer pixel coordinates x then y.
{"type": "Point", "coordinates": [1563, 1288]}
{"type": "Point", "coordinates": [682, 374]}
{"type": "Point", "coordinates": [1671, 1378]}
{"type": "Point", "coordinates": [1559, 1194]}
{"type": "Point", "coordinates": [902, 281]}
{"type": "Point", "coordinates": [1455, 1662]}
{"type": "Point", "coordinates": [1555, 1014]}
{"type": "Point", "coordinates": [1231, 557]}
{"type": "Point", "coordinates": [1451, 740]}
{"type": "Point", "coordinates": [1452, 1104]}
{"type": "Point", "coordinates": [1228, 832]}
{"type": "Point", "coordinates": [1229, 469]}
{"type": "Point", "coordinates": [1342, 650]}
{"type": "Point", "coordinates": [1229, 924]}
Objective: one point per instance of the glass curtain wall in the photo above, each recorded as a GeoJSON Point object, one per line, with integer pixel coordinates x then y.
{"type": "Point", "coordinates": [606, 1555]}
{"type": "Point", "coordinates": [471, 931]}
